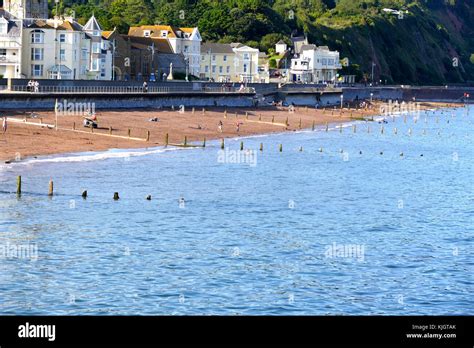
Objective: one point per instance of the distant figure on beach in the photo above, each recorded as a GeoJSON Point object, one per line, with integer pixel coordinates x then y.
{"type": "Point", "coordinates": [219, 126]}
{"type": "Point", "coordinates": [4, 125]}
{"type": "Point", "coordinates": [145, 87]}
{"type": "Point", "coordinates": [153, 119]}
{"type": "Point", "coordinates": [36, 86]}
{"type": "Point", "coordinates": [242, 88]}
{"type": "Point", "coordinates": [30, 86]}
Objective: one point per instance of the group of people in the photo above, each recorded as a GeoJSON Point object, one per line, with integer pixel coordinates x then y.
{"type": "Point", "coordinates": [220, 126]}
{"type": "Point", "coordinates": [33, 86]}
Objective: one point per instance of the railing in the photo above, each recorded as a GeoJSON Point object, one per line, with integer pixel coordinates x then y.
{"type": "Point", "coordinates": [126, 89]}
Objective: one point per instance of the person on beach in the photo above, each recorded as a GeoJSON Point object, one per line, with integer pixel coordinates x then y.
{"type": "Point", "coordinates": [36, 85]}
{"type": "Point", "coordinates": [145, 87]}
{"type": "Point", "coordinates": [219, 126]}
{"type": "Point", "coordinates": [4, 125]}
{"type": "Point", "coordinates": [30, 86]}
{"type": "Point", "coordinates": [238, 126]}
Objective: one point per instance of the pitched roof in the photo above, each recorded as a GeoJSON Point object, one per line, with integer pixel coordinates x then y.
{"type": "Point", "coordinates": [13, 26]}
{"type": "Point", "coordinates": [216, 48]}
{"type": "Point", "coordinates": [155, 31]}
{"type": "Point", "coordinates": [281, 42]}
{"type": "Point", "coordinates": [107, 34]}
{"type": "Point", "coordinates": [161, 45]}
{"type": "Point", "coordinates": [308, 47]}
{"type": "Point", "coordinates": [49, 24]}
{"type": "Point", "coordinates": [92, 25]}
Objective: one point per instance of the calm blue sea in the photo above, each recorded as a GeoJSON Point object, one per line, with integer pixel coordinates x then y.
{"type": "Point", "coordinates": [312, 232]}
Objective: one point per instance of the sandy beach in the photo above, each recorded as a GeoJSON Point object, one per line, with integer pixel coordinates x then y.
{"type": "Point", "coordinates": [29, 136]}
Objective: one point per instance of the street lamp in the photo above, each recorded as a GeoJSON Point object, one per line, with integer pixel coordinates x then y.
{"type": "Point", "coordinates": [373, 65]}
{"type": "Point", "coordinates": [186, 61]}
{"type": "Point", "coordinates": [342, 100]}
{"type": "Point", "coordinates": [371, 95]}
{"type": "Point", "coordinates": [113, 60]}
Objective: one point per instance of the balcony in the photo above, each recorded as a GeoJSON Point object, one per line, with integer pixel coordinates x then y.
{"type": "Point", "coordinates": [9, 60]}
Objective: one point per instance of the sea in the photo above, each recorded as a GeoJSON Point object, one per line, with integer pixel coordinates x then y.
{"type": "Point", "coordinates": [371, 218]}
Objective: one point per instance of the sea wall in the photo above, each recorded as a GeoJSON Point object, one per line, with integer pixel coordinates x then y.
{"type": "Point", "coordinates": [124, 101]}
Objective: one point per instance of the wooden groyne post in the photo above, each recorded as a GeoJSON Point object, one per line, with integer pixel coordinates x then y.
{"type": "Point", "coordinates": [18, 185]}
{"type": "Point", "coordinates": [50, 188]}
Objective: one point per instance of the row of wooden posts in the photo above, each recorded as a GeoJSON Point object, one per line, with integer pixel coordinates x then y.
{"type": "Point", "coordinates": [129, 131]}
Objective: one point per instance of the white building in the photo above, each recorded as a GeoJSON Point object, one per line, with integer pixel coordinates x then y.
{"type": "Point", "coordinates": [186, 41]}
{"type": "Point", "coordinates": [315, 65]}
{"type": "Point", "coordinates": [246, 62]}
{"type": "Point", "coordinates": [281, 47]}
{"type": "Point", "coordinates": [63, 49]}
{"type": "Point", "coordinates": [10, 45]}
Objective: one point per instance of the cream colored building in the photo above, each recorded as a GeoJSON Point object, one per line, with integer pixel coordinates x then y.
{"type": "Point", "coordinates": [229, 62]}
{"type": "Point", "coordinates": [63, 49]}
{"type": "Point", "coordinates": [217, 62]}
{"type": "Point", "coordinates": [186, 41]}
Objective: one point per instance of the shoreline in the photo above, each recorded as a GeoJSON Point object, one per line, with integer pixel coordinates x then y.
{"type": "Point", "coordinates": [33, 138]}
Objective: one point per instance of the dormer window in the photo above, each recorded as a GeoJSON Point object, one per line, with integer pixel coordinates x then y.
{"type": "Point", "coordinates": [96, 33]}
{"type": "Point", "coordinates": [164, 33]}
{"type": "Point", "coordinates": [186, 36]}
{"type": "Point", "coordinates": [147, 33]}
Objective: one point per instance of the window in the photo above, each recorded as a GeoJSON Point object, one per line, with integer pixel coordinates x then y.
{"type": "Point", "coordinates": [62, 37]}
{"type": "Point", "coordinates": [62, 54]}
{"type": "Point", "coordinates": [146, 33]}
{"type": "Point", "coordinates": [3, 51]}
{"type": "Point", "coordinates": [245, 68]}
{"type": "Point", "coordinates": [325, 61]}
{"type": "Point", "coordinates": [228, 69]}
{"type": "Point", "coordinates": [246, 56]}
{"type": "Point", "coordinates": [202, 58]}
{"type": "Point", "coordinates": [83, 70]}
{"type": "Point", "coordinates": [225, 58]}
{"type": "Point", "coordinates": [206, 68]}
{"type": "Point", "coordinates": [95, 64]}
{"type": "Point", "coordinates": [95, 47]}
{"type": "Point", "coordinates": [186, 48]}
{"type": "Point", "coordinates": [164, 33]}
{"type": "Point", "coordinates": [220, 70]}
{"type": "Point", "coordinates": [3, 26]}
{"type": "Point", "coordinates": [37, 36]}
{"type": "Point", "coordinates": [96, 33]}
{"type": "Point", "coordinates": [213, 57]}
{"type": "Point", "coordinates": [36, 70]}
{"type": "Point", "coordinates": [37, 53]}
{"type": "Point", "coordinates": [214, 69]}
{"type": "Point", "coordinates": [84, 54]}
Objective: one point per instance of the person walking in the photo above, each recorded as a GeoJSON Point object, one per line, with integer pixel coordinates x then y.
{"type": "Point", "coordinates": [145, 87]}
{"type": "Point", "coordinates": [4, 125]}
{"type": "Point", "coordinates": [219, 126]}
